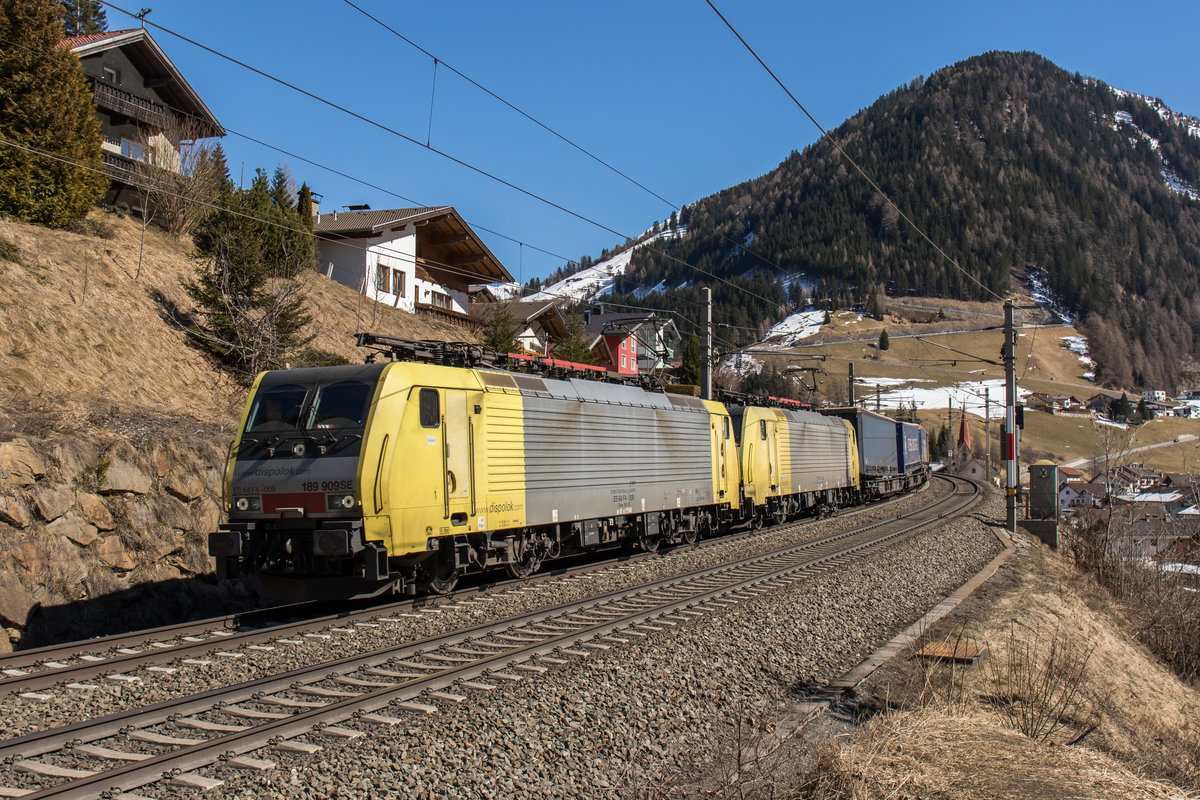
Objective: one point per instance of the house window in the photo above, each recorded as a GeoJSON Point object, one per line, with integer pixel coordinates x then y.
{"type": "Point", "coordinates": [440, 300]}
{"type": "Point", "coordinates": [383, 282]}
{"type": "Point", "coordinates": [623, 344]}
{"type": "Point", "coordinates": [111, 75]}
{"type": "Point", "coordinates": [622, 359]}
{"type": "Point", "coordinates": [133, 150]}
{"type": "Point", "coordinates": [398, 281]}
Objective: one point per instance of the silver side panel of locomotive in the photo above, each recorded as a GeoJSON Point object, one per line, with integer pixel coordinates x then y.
{"type": "Point", "coordinates": [818, 452]}
{"type": "Point", "coordinates": [594, 450]}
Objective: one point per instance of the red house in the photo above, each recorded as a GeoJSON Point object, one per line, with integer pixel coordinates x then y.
{"type": "Point", "coordinates": [614, 340]}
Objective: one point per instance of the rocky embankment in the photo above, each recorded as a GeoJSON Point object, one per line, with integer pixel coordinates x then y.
{"type": "Point", "coordinates": [103, 516]}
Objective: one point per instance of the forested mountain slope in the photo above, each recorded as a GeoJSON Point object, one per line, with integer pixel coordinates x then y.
{"type": "Point", "coordinates": [1011, 165]}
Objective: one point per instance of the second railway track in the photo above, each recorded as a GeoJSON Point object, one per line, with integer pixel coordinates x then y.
{"type": "Point", "coordinates": [115, 656]}
{"type": "Point", "coordinates": [130, 749]}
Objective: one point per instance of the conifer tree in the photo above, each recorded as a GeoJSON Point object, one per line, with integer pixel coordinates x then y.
{"type": "Point", "coordinates": [50, 170]}
{"type": "Point", "coordinates": [883, 340]}
{"type": "Point", "coordinates": [248, 288]}
{"type": "Point", "coordinates": [573, 345]}
{"type": "Point", "coordinates": [500, 332]}
{"type": "Point", "coordinates": [80, 17]}
{"type": "Point", "coordinates": [304, 206]}
{"type": "Point", "coordinates": [689, 366]}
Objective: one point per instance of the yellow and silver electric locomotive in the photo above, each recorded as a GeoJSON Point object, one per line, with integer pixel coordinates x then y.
{"type": "Point", "coordinates": [351, 481]}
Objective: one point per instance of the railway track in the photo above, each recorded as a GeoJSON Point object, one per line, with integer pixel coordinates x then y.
{"type": "Point", "coordinates": [115, 656]}
{"type": "Point", "coordinates": [124, 751]}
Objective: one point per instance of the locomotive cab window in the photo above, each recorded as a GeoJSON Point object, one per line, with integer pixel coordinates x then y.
{"type": "Point", "coordinates": [431, 412]}
{"type": "Point", "coordinates": [726, 427]}
{"type": "Point", "coordinates": [277, 409]}
{"type": "Point", "coordinates": [340, 405]}
{"type": "Point", "coordinates": [762, 429]}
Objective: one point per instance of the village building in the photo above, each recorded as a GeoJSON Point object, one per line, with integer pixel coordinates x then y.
{"type": "Point", "coordinates": [1071, 475]}
{"type": "Point", "coordinates": [421, 260]}
{"type": "Point", "coordinates": [147, 109]}
{"type": "Point", "coordinates": [1074, 497]}
{"type": "Point", "coordinates": [538, 324]}
{"type": "Point", "coordinates": [633, 342]}
{"type": "Point", "coordinates": [1099, 403]}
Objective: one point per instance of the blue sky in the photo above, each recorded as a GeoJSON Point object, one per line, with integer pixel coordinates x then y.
{"type": "Point", "coordinates": [660, 90]}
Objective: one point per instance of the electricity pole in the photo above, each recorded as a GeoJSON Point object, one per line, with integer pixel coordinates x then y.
{"type": "Point", "coordinates": [1011, 438]}
{"type": "Point", "coordinates": [987, 435]}
{"type": "Point", "coordinates": [706, 364]}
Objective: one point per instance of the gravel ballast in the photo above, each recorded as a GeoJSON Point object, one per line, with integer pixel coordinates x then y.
{"type": "Point", "coordinates": [223, 668]}
{"type": "Point", "coordinates": [649, 711]}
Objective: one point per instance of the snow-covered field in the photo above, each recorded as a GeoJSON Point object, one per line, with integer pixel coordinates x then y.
{"type": "Point", "coordinates": [597, 279]}
{"type": "Point", "coordinates": [1079, 345]}
{"type": "Point", "coordinates": [798, 326]}
{"type": "Point", "coordinates": [903, 393]}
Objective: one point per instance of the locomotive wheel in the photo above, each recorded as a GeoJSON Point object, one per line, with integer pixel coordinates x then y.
{"type": "Point", "coordinates": [756, 522]}
{"type": "Point", "coordinates": [530, 563]}
{"type": "Point", "coordinates": [689, 536]}
{"type": "Point", "coordinates": [649, 543]}
{"type": "Point", "coordinates": [444, 578]}
{"type": "Point", "coordinates": [779, 517]}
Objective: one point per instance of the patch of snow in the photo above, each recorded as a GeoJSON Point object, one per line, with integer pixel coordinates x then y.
{"type": "Point", "coordinates": [800, 325]}
{"type": "Point", "coordinates": [743, 364]}
{"type": "Point", "coordinates": [1110, 423]}
{"type": "Point", "coordinates": [1043, 296]}
{"type": "Point", "coordinates": [1079, 346]}
{"type": "Point", "coordinates": [968, 394]}
{"type": "Point", "coordinates": [597, 279]}
{"type": "Point", "coordinates": [1178, 184]}
{"type": "Point", "coordinates": [505, 291]}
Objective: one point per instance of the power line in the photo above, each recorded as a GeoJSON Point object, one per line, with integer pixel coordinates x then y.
{"type": "Point", "coordinates": [441, 62]}
{"type": "Point", "coordinates": [132, 181]}
{"type": "Point", "coordinates": [500, 99]}
{"type": "Point", "coordinates": [319, 165]}
{"type": "Point", "coordinates": [443, 154]}
{"type": "Point", "coordinates": [846, 155]}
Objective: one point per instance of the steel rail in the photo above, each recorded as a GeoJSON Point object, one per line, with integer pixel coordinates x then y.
{"type": "Point", "coordinates": [222, 635]}
{"type": "Point", "coordinates": [192, 756]}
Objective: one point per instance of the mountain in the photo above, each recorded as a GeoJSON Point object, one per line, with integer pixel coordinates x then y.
{"type": "Point", "coordinates": [1016, 168]}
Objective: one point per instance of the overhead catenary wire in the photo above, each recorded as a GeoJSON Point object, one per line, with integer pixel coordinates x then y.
{"type": "Point", "coordinates": [332, 170]}
{"type": "Point", "coordinates": [844, 154]}
{"type": "Point", "coordinates": [392, 131]}
{"type": "Point", "coordinates": [675, 206]}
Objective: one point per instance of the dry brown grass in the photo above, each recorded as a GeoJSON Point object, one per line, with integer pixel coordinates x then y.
{"type": "Point", "coordinates": [930, 753]}
{"type": "Point", "coordinates": [74, 321]}
{"type": "Point", "coordinates": [1135, 731]}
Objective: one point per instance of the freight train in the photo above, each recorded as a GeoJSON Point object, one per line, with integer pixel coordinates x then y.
{"type": "Point", "coordinates": [351, 481]}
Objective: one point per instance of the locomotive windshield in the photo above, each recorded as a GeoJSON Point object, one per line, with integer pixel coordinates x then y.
{"type": "Point", "coordinates": [340, 405]}
{"type": "Point", "coordinates": [277, 409]}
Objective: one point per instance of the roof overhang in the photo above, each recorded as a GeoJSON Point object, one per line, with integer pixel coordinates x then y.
{"type": "Point", "coordinates": [450, 250]}
{"type": "Point", "coordinates": [145, 54]}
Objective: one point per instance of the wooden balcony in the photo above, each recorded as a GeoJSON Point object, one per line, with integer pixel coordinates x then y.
{"type": "Point", "coordinates": [110, 97]}
{"type": "Point", "coordinates": [118, 167]}
{"type": "Point", "coordinates": [448, 315]}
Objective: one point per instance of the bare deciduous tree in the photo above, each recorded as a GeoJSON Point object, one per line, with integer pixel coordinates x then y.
{"type": "Point", "coordinates": [179, 178]}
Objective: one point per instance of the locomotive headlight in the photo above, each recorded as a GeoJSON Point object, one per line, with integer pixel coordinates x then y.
{"type": "Point", "coordinates": [299, 449]}
{"type": "Point", "coordinates": [336, 502]}
{"type": "Point", "coordinates": [247, 504]}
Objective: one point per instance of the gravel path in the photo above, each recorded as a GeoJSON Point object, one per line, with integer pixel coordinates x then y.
{"type": "Point", "coordinates": [656, 710]}
{"type": "Point", "coordinates": [152, 685]}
